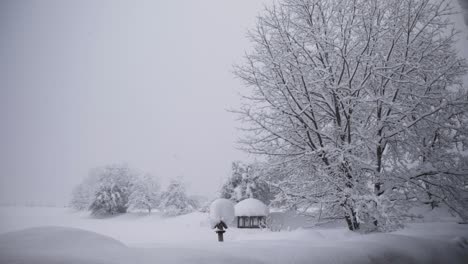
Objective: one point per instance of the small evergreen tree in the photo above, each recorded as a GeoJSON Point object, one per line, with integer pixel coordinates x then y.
{"type": "Point", "coordinates": [175, 200]}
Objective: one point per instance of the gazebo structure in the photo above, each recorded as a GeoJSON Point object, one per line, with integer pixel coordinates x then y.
{"type": "Point", "coordinates": [251, 213]}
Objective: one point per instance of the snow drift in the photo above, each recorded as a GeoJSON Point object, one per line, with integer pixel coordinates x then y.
{"type": "Point", "coordinates": [58, 245]}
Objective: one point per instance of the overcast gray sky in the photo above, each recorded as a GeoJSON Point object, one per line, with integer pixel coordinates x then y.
{"type": "Point", "coordinates": [88, 83]}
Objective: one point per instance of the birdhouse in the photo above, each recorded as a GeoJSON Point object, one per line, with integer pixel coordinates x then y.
{"type": "Point", "coordinates": [220, 230]}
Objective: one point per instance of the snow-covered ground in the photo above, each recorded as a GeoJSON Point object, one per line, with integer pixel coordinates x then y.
{"type": "Point", "coordinates": [58, 236]}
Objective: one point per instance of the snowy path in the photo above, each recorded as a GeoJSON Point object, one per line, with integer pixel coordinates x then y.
{"type": "Point", "coordinates": [187, 239]}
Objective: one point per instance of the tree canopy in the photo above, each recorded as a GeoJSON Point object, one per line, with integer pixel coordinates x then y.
{"type": "Point", "coordinates": [358, 105]}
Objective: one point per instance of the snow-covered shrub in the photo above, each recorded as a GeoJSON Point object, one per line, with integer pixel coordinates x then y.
{"type": "Point", "coordinates": [245, 182]}
{"type": "Point", "coordinates": [109, 200]}
{"type": "Point", "coordinates": [145, 194]}
{"type": "Point", "coordinates": [378, 213]}
{"type": "Point", "coordinates": [221, 210]}
{"type": "Point", "coordinates": [175, 200]}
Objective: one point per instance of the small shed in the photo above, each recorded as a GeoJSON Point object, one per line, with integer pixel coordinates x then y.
{"type": "Point", "coordinates": [251, 213]}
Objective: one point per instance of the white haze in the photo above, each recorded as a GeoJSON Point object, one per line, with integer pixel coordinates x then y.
{"type": "Point", "coordinates": [88, 83]}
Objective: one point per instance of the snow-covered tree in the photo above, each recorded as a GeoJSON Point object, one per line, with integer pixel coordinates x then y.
{"type": "Point", "coordinates": [115, 184]}
{"type": "Point", "coordinates": [359, 105]}
{"type": "Point", "coordinates": [145, 194]}
{"type": "Point", "coordinates": [245, 182]}
{"type": "Point", "coordinates": [109, 200]}
{"type": "Point", "coordinates": [175, 200]}
{"type": "Point", "coordinates": [200, 202]}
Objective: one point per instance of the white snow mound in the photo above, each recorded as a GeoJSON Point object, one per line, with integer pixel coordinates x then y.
{"type": "Point", "coordinates": [56, 237]}
{"type": "Point", "coordinates": [53, 244]}
{"type": "Point", "coordinates": [251, 207]}
{"type": "Point", "coordinates": [221, 210]}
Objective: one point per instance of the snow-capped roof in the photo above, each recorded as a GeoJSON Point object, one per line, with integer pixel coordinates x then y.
{"type": "Point", "coordinates": [221, 210]}
{"type": "Point", "coordinates": [251, 207]}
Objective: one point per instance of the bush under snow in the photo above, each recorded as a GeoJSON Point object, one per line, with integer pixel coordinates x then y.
{"type": "Point", "coordinates": [221, 210]}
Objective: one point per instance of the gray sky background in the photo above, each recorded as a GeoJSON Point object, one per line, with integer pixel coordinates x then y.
{"type": "Point", "coordinates": [88, 83]}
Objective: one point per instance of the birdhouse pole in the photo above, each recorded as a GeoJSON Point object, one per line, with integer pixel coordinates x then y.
{"type": "Point", "coordinates": [220, 235]}
{"type": "Point", "coordinates": [220, 230]}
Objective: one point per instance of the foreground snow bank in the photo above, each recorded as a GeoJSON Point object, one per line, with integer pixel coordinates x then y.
{"type": "Point", "coordinates": [57, 245]}
{"type": "Point", "coordinates": [50, 245]}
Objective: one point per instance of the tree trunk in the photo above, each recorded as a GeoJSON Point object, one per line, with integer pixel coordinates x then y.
{"type": "Point", "coordinates": [351, 220]}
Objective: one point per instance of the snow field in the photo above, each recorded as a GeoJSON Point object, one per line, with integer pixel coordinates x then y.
{"type": "Point", "coordinates": [189, 239]}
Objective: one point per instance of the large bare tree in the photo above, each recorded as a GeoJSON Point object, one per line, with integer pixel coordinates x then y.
{"type": "Point", "coordinates": [360, 104]}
